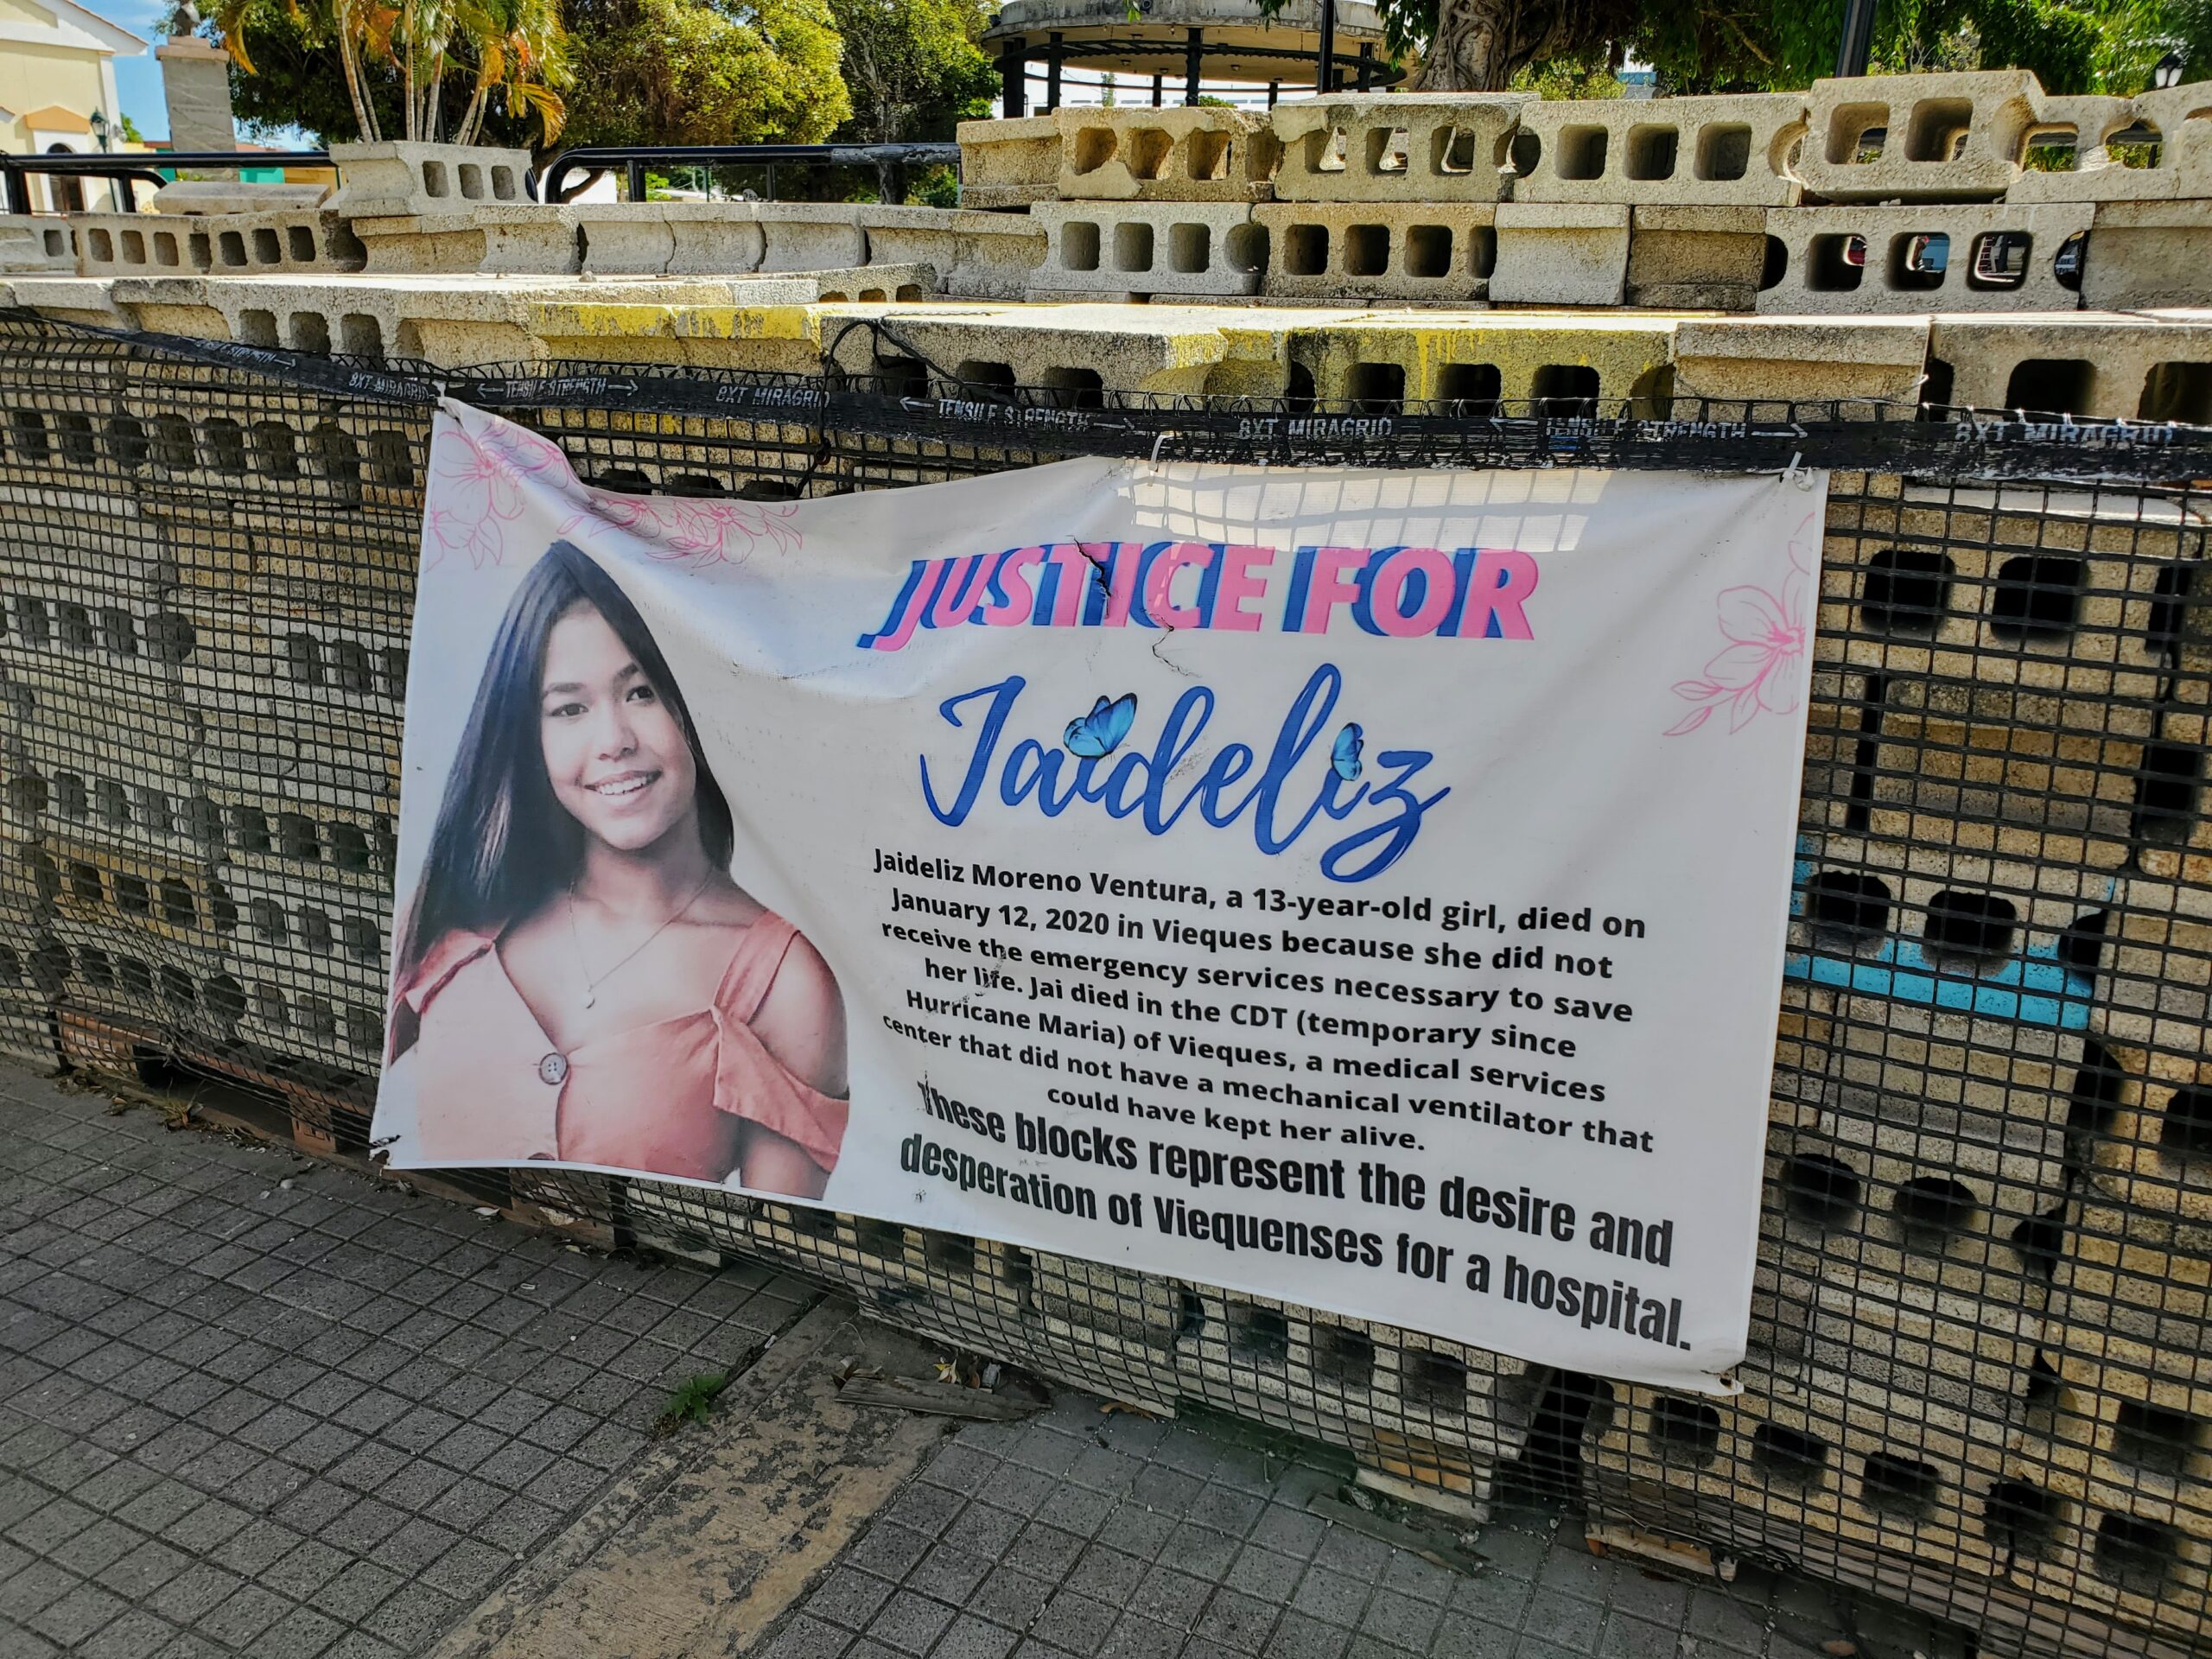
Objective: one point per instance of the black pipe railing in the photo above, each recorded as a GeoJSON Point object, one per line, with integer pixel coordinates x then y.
{"type": "Point", "coordinates": [134, 168]}
{"type": "Point", "coordinates": [889, 161]}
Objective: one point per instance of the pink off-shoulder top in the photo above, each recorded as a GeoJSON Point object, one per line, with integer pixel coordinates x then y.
{"type": "Point", "coordinates": [664, 1098]}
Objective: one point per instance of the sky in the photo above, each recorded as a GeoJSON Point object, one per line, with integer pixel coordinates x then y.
{"type": "Point", "coordinates": [139, 80]}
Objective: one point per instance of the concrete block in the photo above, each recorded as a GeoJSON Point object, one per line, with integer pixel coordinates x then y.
{"type": "Point", "coordinates": [2090, 365]}
{"type": "Point", "coordinates": [448, 318]}
{"type": "Point", "coordinates": [1695, 258]}
{"type": "Point", "coordinates": [873, 284]}
{"type": "Point", "coordinates": [1789, 359]}
{"type": "Point", "coordinates": [1727, 151]}
{"type": "Point", "coordinates": [129, 890]}
{"type": "Point", "coordinates": [1378, 250]}
{"type": "Point", "coordinates": [1942, 257]}
{"type": "Point", "coordinates": [1977, 768]}
{"type": "Point", "coordinates": [1567, 365]}
{"type": "Point", "coordinates": [272, 755]}
{"type": "Point", "coordinates": [1197, 248]}
{"type": "Point", "coordinates": [140, 977]}
{"type": "Point", "coordinates": [976, 256]}
{"type": "Point", "coordinates": [37, 242]}
{"type": "Point", "coordinates": [1940, 137]}
{"type": "Point", "coordinates": [393, 179]}
{"type": "Point", "coordinates": [1982, 1087]}
{"type": "Point", "coordinates": [68, 299]}
{"type": "Point", "coordinates": [1009, 164]}
{"type": "Point", "coordinates": [2019, 586]}
{"type": "Point", "coordinates": [811, 235]}
{"type": "Point", "coordinates": [79, 720]}
{"type": "Point", "coordinates": [2176, 115]}
{"type": "Point", "coordinates": [518, 239]}
{"type": "Point", "coordinates": [1396, 147]}
{"type": "Point", "coordinates": [1136, 154]}
{"type": "Point", "coordinates": [1071, 353]}
{"type": "Point", "coordinates": [2073, 131]}
{"type": "Point", "coordinates": [193, 197]}
{"type": "Point", "coordinates": [114, 244]}
{"type": "Point", "coordinates": [2147, 255]}
{"type": "Point", "coordinates": [1560, 253]}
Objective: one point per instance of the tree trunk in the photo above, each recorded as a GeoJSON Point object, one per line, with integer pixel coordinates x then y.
{"type": "Point", "coordinates": [1481, 45]}
{"type": "Point", "coordinates": [1473, 47]}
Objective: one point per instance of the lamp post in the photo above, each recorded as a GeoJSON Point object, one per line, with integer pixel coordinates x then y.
{"type": "Point", "coordinates": [1857, 46]}
{"type": "Point", "coordinates": [100, 126]}
{"type": "Point", "coordinates": [2168, 70]}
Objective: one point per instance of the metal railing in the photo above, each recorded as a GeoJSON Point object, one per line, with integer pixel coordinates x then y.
{"type": "Point", "coordinates": [889, 161]}
{"type": "Point", "coordinates": [131, 169]}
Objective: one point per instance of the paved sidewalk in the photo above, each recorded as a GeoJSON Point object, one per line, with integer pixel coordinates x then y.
{"type": "Point", "coordinates": [1070, 1537]}
{"type": "Point", "coordinates": [252, 1405]}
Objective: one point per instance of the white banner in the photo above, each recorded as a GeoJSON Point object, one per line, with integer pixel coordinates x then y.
{"type": "Point", "coordinates": [1363, 888]}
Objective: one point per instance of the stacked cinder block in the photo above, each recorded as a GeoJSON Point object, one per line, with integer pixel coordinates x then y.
{"type": "Point", "coordinates": [1977, 192]}
{"type": "Point", "coordinates": [201, 756]}
{"type": "Point", "coordinates": [1947, 192]}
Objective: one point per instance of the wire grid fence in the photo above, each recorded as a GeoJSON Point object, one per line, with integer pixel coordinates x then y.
{"type": "Point", "coordinates": [1980, 1378]}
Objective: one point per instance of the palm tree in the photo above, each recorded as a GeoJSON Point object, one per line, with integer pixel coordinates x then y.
{"type": "Point", "coordinates": [517, 50]}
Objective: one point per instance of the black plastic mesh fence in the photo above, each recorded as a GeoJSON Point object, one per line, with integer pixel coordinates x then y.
{"type": "Point", "coordinates": [1979, 1376]}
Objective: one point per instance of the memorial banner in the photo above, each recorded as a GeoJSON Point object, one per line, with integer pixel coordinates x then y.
{"type": "Point", "coordinates": [1363, 889]}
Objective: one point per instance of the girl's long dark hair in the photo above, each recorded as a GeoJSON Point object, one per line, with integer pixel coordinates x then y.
{"type": "Point", "coordinates": [503, 844]}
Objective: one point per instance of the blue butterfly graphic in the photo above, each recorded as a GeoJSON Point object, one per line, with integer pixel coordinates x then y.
{"type": "Point", "coordinates": [1344, 756]}
{"type": "Point", "coordinates": [1100, 731]}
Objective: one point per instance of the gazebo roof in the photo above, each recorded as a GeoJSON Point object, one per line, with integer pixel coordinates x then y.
{"type": "Point", "coordinates": [1240, 42]}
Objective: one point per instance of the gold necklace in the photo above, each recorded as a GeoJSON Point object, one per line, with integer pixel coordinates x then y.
{"type": "Point", "coordinates": [591, 985]}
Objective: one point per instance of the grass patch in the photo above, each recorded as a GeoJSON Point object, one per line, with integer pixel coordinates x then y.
{"type": "Point", "coordinates": [690, 1402]}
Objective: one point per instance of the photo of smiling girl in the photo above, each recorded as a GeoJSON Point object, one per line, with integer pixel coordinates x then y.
{"type": "Point", "coordinates": [578, 977]}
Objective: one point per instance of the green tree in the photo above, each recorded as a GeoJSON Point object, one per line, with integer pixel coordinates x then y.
{"type": "Point", "coordinates": [912, 67]}
{"type": "Point", "coordinates": [2073, 46]}
{"type": "Point", "coordinates": [413, 59]}
{"type": "Point", "coordinates": [690, 72]}
{"type": "Point", "coordinates": [466, 70]}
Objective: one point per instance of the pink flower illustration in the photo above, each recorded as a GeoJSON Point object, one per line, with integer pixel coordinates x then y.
{"type": "Point", "coordinates": [708, 529]}
{"type": "Point", "coordinates": [479, 487]}
{"type": "Point", "coordinates": [475, 496]}
{"type": "Point", "coordinates": [1762, 666]}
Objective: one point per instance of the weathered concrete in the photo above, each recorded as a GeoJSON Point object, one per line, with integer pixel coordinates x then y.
{"type": "Point", "coordinates": [2095, 174]}
{"type": "Point", "coordinates": [2145, 255]}
{"type": "Point", "coordinates": [1731, 151]}
{"type": "Point", "coordinates": [1950, 137]}
{"type": "Point", "coordinates": [450, 319]}
{"type": "Point", "coordinates": [1895, 272]}
{"type": "Point", "coordinates": [37, 243]}
{"type": "Point", "coordinates": [1396, 147]}
{"type": "Point", "coordinates": [1696, 259]}
{"type": "Point", "coordinates": [392, 179]}
{"type": "Point", "coordinates": [1378, 250]}
{"type": "Point", "coordinates": [976, 256]}
{"type": "Point", "coordinates": [196, 87]}
{"type": "Point", "coordinates": [1136, 154]}
{"type": "Point", "coordinates": [114, 244]}
{"type": "Point", "coordinates": [230, 196]}
{"type": "Point", "coordinates": [2083, 363]}
{"type": "Point", "coordinates": [1560, 253]}
{"type": "Point", "coordinates": [1880, 360]}
{"type": "Point", "coordinates": [709, 1539]}
{"type": "Point", "coordinates": [1370, 359]}
{"type": "Point", "coordinates": [1100, 349]}
{"type": "Point", "coordinates": [1009, 164]}
{"type": "Point", "coordinates": [1195, 248]}
{"type": "Point", "coordinates": [2178, 114]}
